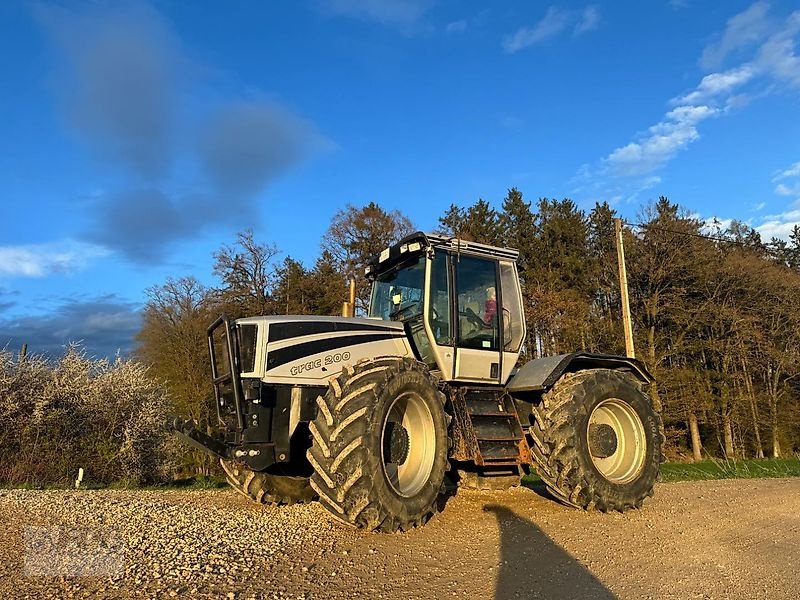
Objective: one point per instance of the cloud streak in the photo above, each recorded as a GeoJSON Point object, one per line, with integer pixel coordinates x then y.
{"type": "Point", "coordinates": [120, 81]}
{"type": "Point", "coordinates": [104, 324]}
{"type": "Point", "coordinates": [554, 22]}
{"type": "Point", "coordinates": [743, 30]}
{"type": "Point", "coordinates": [40, 260]}
{"type": "Point", "coordinates": [662, 142]}
{"type": "Point", "coordinates": [771, 64]}
{"type": "Point", "coordinates": [125, 95]}
{"type": "Point", "coordinates": [247, 144]}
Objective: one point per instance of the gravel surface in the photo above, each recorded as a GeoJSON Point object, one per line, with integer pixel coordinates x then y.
{"type": "Point", "coordinates": [722, 539]}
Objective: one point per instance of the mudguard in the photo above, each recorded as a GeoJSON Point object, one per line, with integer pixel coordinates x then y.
{"type": "Point", "coordinates": [540, 374]}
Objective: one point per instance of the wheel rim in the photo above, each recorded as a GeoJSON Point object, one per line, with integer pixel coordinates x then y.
{"type": "Point", "coordinates": [617, 442]}
{"type": "Point", "coordinates": [409, 421]}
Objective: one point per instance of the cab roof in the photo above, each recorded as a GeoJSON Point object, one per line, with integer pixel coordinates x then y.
{"type": "Point", "coordinates": [417, 242]}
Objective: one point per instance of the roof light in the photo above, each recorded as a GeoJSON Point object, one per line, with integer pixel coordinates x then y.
{"type": "Point", "coordinates": [384, 255]}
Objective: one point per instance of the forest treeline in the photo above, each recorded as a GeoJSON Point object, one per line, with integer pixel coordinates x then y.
{"type": "Point", "coordinates": [716, 309]}
{"type": "Point", "coordinates": [716, 314]}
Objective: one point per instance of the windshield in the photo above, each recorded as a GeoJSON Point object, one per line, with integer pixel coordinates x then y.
{"type": "Point", "coordinates": [397, 294]}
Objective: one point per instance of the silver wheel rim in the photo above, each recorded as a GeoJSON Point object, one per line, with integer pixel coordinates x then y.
{"type": "Point", "coordinates": [627, 460]}
{"type": "Point", "coordinates": [410, 476]}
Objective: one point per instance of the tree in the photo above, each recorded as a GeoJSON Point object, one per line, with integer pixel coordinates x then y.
{"type": "Point", "coordinates": [356, 234]}
{"type": "Point", "coordinates": [248, 276]}
{"type": "Point", "coordinates": [173, 342]}
{"type": "Point", "coordinates": [478, 223]}
{"type": "Point", "coordinates": [290, 294]}
{"type": "Point", "coordinates": [452, 221]}
{"type": "Point", "coordinates": [557, 277]}
{"type": "Point", "coordinates": [326, 287]}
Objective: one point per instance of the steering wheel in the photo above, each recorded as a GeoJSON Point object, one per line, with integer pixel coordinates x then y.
{"type": "Point", "coordinates": [403, 309]}
{"type": "Point", "coordinates": [473, 318]}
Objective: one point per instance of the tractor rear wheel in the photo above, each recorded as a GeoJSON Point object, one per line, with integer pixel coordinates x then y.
{"type": "Point", "coordinates": [266, 488]}
{"type": "Point", "coordinates": [597, 440]}
{"type": "Point", "coordinates": [379, 448]}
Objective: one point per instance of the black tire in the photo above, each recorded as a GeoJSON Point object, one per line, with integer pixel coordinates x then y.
{"type": "Point", "coordinates": [562, 450]}
{"type": "Point", "coordinates": [265, 488]}
{"type": "Point", "coordinates": [348, 452]}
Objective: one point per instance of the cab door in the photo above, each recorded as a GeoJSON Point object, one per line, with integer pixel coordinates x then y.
{"type": "Point", "coordinates": [478, 336]}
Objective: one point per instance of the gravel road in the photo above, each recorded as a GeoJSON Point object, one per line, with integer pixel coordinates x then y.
{"type": "Point", "coordinates": [722, 539]}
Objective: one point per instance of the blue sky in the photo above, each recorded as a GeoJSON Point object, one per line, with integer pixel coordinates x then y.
{"type": "Point", "coordinates": [139, 137]}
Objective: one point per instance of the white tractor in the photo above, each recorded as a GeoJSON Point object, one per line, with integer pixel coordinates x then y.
{"type": "Point", "coordinates": [368, 415]}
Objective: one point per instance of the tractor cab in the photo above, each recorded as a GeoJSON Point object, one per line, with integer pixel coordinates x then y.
{"type": "Point", "coordinates": [459, 301]}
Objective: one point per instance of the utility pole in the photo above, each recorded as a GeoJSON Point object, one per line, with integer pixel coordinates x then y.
{"type": "Point", "coordinates": [623, 289]}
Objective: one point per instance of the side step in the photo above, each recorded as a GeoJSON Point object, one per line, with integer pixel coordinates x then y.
{"type": "Point", "coordinates": [486, 429]}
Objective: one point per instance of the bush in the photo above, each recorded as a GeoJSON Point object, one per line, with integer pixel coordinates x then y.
{"type": "Point", "coordinates": [107, 417]}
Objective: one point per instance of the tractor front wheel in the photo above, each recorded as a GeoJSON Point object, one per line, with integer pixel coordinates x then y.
{"type": "Point", "coordinates": [379, 448]}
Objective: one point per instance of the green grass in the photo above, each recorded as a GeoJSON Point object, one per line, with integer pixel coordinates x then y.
{"type": "Point", "coordinates": [715, 469]}
{"type": "Point", "coordinates": [191, 483]}
{"type": "Point", "coordinates": [731, 469]}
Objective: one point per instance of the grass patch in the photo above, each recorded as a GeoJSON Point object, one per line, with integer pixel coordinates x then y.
{"type": "Point", "coordinates": [715, 469]}
{"type": "Point", "coordinates": [192, 483]}
{"type": "Point", "coordinates": [731, 469]}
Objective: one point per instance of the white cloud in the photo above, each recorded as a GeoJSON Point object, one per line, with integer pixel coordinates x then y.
{"type": "Point", "coordinates": [662, 142]}
{"type": "Point", "coordinates": [386, 12]}
{"type": "Point", "coordinates": [459, 26]}
{"type": "Point", "coordinates": [782, 224]}
{"type": "Point", "coordinates": [39, 260]}
{"type": "Point", "coordinates": [789, 179]}
{"type": "Point", "coordinates": [772, 63]}
{"type": "Point", "coordinates": [589, 20]}
{"type": "Point", "coordinates": [759, 206]}
{"type": "Point", "coordinates": [780, 227]}
{"type": "Point", "coordinates": [713, 225]}
{"type": "Point", "coordinates": [792, 171]}
{"type": "Point", "coordinates": [787, 190]}
{"type": "Point", "coordinates": [777, 56]}
{"type": "Point", "coordinates": [554, 22]}
{"type": "Point", "coordinates": [716, 84]}
{"type": "Point", "coordinates": [742, 30]}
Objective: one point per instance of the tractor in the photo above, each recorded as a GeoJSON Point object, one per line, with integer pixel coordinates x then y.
{"type": "Point", "coordinates": [373, 416]}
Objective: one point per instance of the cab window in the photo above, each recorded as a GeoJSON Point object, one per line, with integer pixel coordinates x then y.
{"type": "Point", "coordinates": [512, 314]}
{"type": "Point", "coordinates": [439, 300]}
{"type": "Point", "coordinates": [397, 294]}
{"type": "Point", "coordinates": [476, 280]}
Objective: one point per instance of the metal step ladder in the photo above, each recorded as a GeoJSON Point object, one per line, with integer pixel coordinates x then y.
{"type": "Point", "coordinates": [486, 428]}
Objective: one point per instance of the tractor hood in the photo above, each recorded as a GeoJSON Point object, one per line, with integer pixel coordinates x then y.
{"type": "Point", "coordinates": [308, 350]}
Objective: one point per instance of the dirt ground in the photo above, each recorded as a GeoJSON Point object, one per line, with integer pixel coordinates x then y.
{"type": "Point", "coordinates": [713, 539]}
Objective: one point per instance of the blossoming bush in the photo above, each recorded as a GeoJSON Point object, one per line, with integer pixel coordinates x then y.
{"type": "Point", "coordinates": [108, 417]}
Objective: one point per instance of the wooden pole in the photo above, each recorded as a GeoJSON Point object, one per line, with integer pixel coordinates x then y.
{"type": "Point", "coordinates": [623, 289]}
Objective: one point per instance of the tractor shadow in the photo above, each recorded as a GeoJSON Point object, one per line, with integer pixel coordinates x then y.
{"type": "Point", "coordinates": [533, 566]}
{"type": "Point", "coordinates": [538, 487]}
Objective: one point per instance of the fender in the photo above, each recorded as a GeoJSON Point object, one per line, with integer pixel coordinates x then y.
{"type": "Point", "coordinates": [540, 375]}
